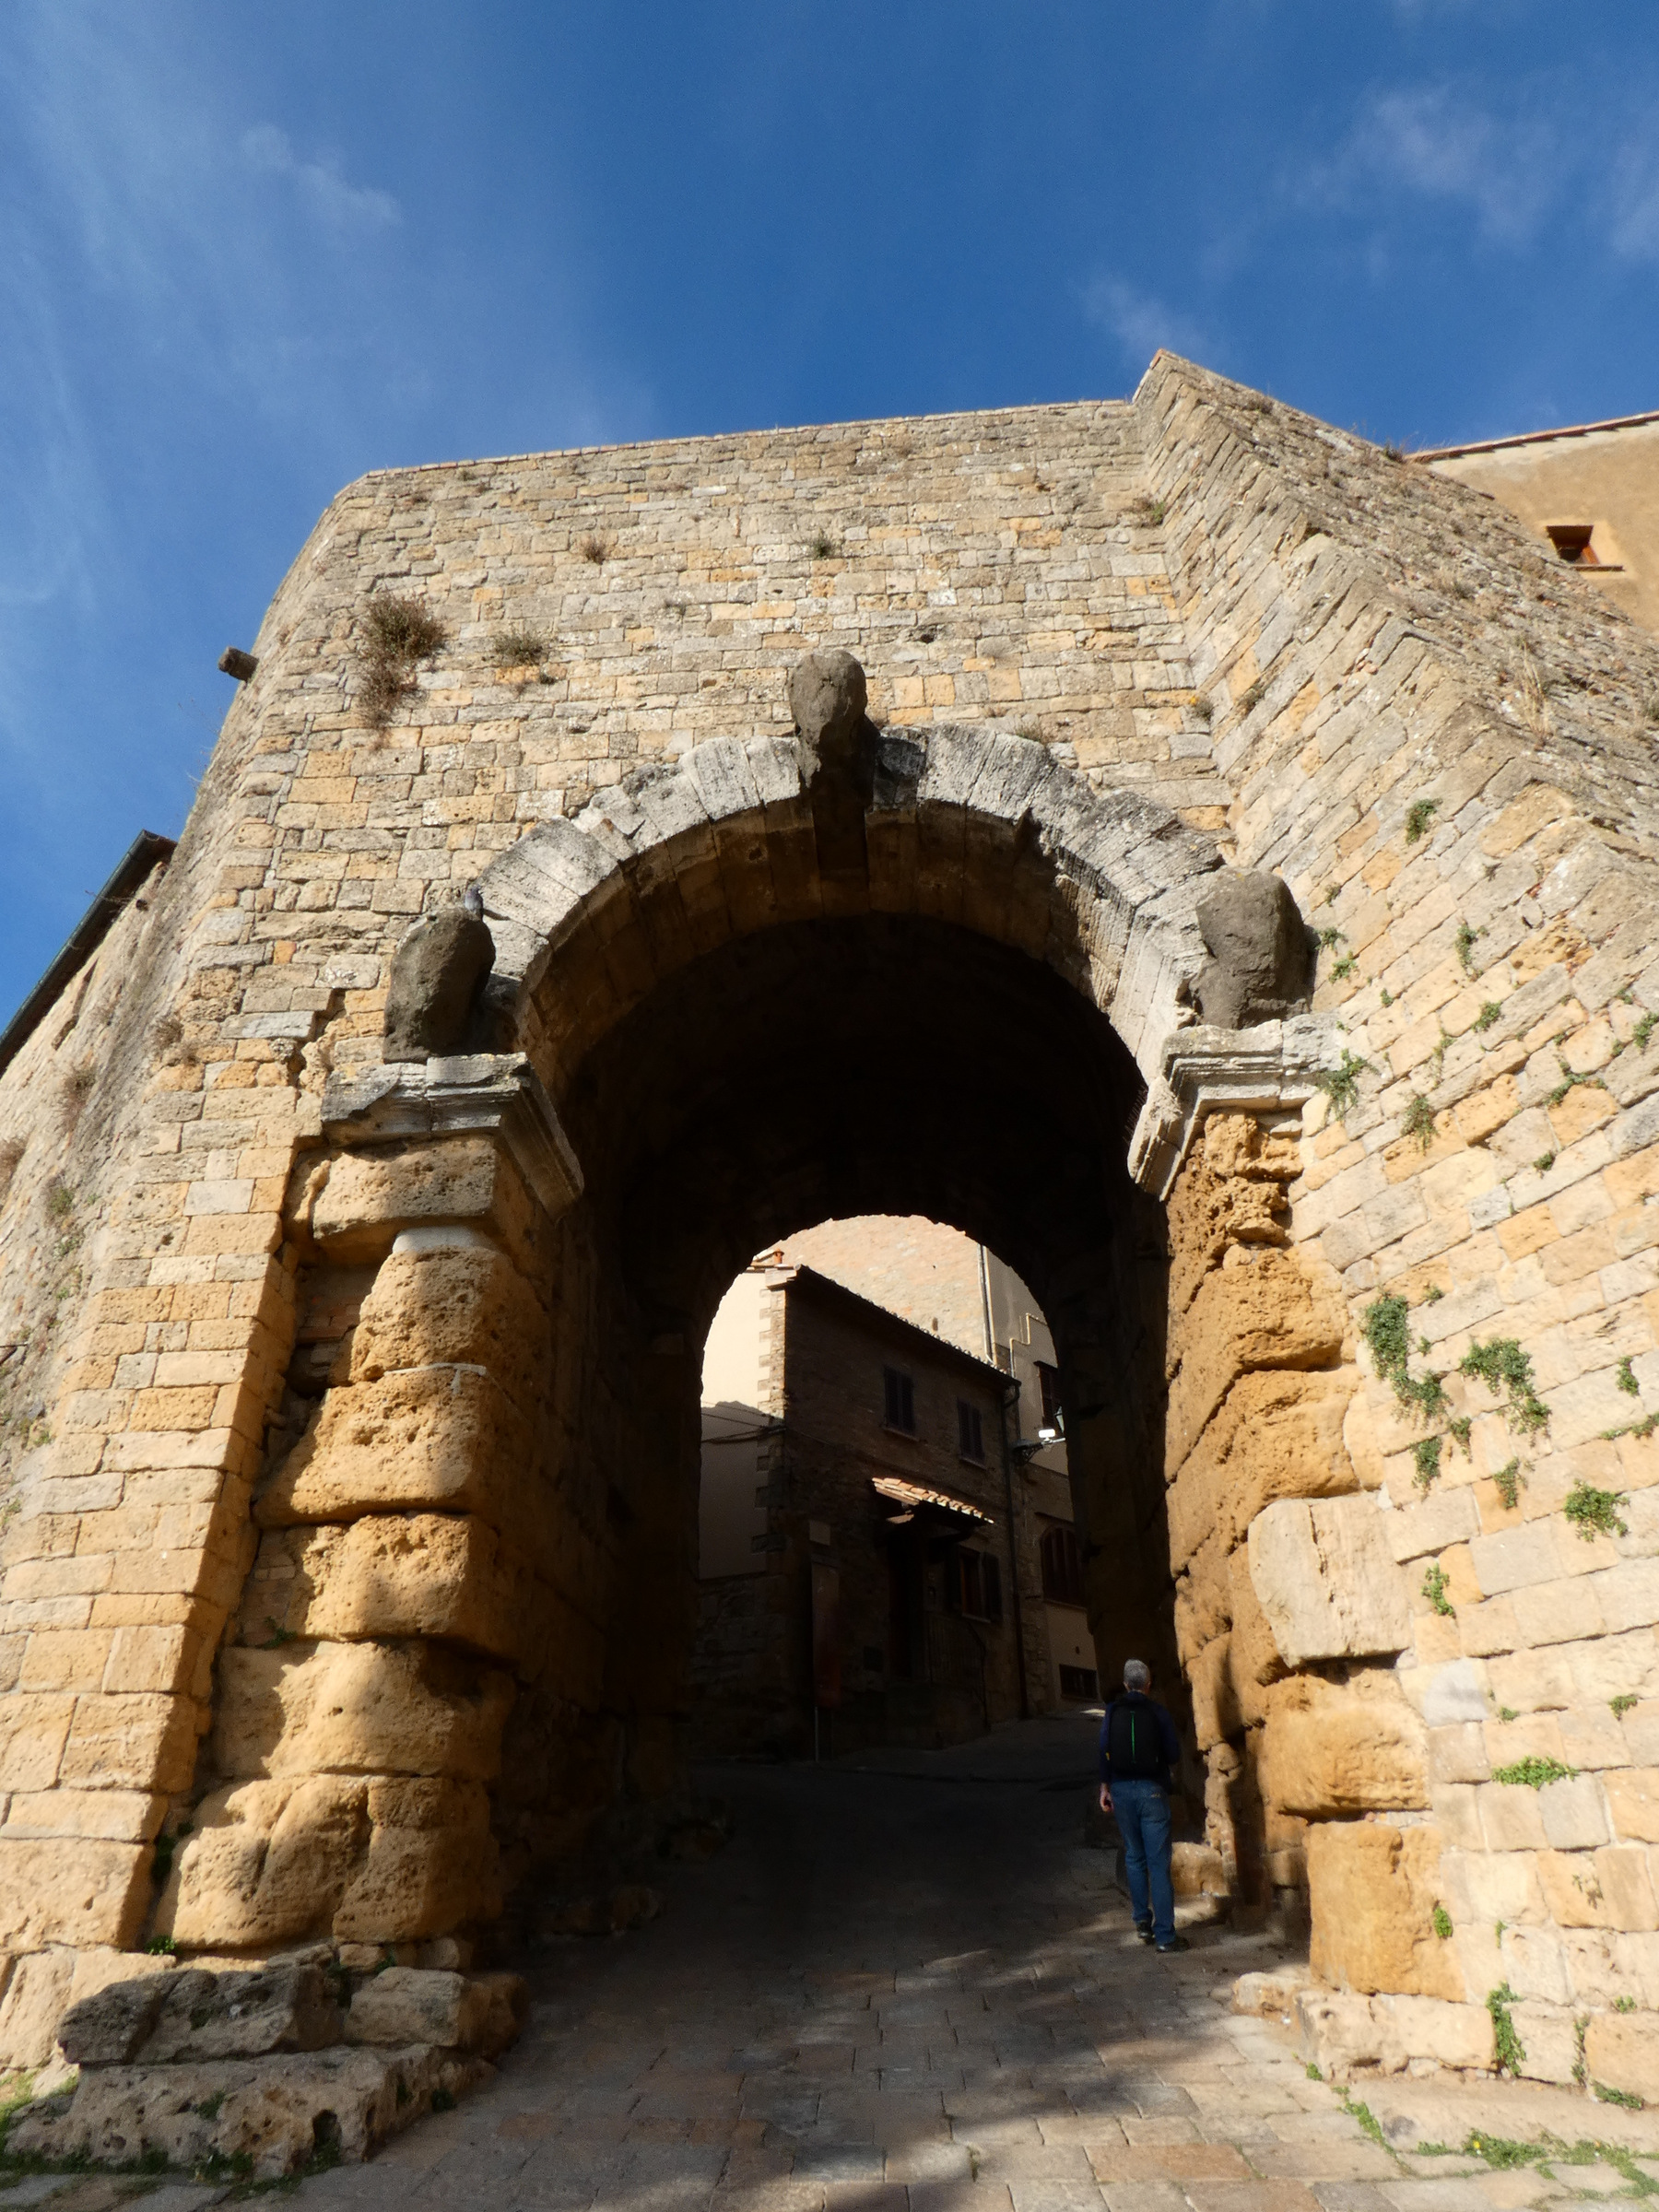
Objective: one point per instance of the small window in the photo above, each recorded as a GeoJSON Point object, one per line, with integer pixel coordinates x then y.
{"type": "Point", "coordinates": [1079, 1682]}
{"type": "Point", "coordinates": [1572, 541]}
{"type": "Point", "coordinates": [900, 1400]}
{"type": "Point", "coordinates": [1062, 1566]}
{"type": "Point", "coordinates": [970, 1439]}
{"type": "Point", "coordinates": [1048, 1383]}
{"type": "Point", "coordinates": [978, 1585]}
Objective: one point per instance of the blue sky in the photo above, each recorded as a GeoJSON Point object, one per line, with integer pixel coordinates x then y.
{"type": "Point", "coordinates": [247, 252]}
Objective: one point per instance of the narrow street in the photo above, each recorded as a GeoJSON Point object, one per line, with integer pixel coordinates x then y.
{"type": "Point", "coordinates": [908, 1990]}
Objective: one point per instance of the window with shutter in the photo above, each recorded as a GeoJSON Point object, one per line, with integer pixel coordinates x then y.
{"type": "Point", "coordinates": [970, 1440]}
{"type": "Point", "coordinates": [899, 1394]}
{"type": "Point", "coordinates": [1062, 1559]}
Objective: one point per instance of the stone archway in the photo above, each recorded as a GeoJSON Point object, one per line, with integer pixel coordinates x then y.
{"type": "Point", "coordinates": [771, 984]}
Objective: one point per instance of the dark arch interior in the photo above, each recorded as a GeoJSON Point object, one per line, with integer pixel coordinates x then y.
{"type": "Point", "coordinates": [878, 1064]}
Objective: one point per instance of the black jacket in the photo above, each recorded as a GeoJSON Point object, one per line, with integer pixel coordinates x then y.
{"type": "Point", "coordinates": [1169, 1741]}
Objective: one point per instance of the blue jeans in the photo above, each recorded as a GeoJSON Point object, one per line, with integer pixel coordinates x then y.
{"type": "Point", "coordinates": [1143, 1815]}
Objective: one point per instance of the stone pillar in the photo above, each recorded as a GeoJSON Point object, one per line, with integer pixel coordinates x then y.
{"type": "Point", "coordinates": [1281, 1559]}
{"type": "Point", "coordinates": [410, 1573]}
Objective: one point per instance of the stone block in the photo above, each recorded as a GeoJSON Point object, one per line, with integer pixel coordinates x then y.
{"type": "Point", "coordinates": [268, 1861]}
{"type": "Point", "coordinates": [1278, 1435]}
{"type": "Point", "coordinates": [1268, 1995]}
{"type": "Point", "coordinates": [441, 1439]}
{"type": "Point", "coordinates": [1548, 2036]}
{"type": "Point", "coordinates": [432, 1864]}
{"type": "Point", "coordinates": [1326, 1579]}
{"type": "Point", "coordinates": [1622, 2051]}
{"type": "Point", "coordinates": [35, 1997]}
{"type": "Point", "coordinates": [1421, 2028]}
{"type": "Point", "coordinates": [1197, 1871]}
{"type": "Point", "coordinates": [1337, 2032]}
{"type": "Point", "coordinates": [1633, 1803]}
{"type": "Point", "coordinates": [275, 2113]}
{"type": "Point", "coordinates": [367, 1197]}
{"type": "Point", "coordinates": [1573, 1813]}
{"type": "Point", "coordinates": [196, 2015]}
{"type": "Point", "coordinates": [1261, 1313]}
{"type": "Point", "coordinates": [408, 2004]}
{"type": "Point", "coordinates": [1331, 1750]}
{"type": "Point", "coordinates": [462, 1304]}
{"type": "Point", "coordinates": [1605, 1888]}
{"type": "Point", "coordinates": [359, 1708]}
{"type": "Point", "coordinates": [1373, 1890]}
{"type": "Point", "coordinates": [81, 1890]}
{"type": "Point", "coordinates": [395, 1575]}
{"type": "Point", "coordinates": [1445, 1517]}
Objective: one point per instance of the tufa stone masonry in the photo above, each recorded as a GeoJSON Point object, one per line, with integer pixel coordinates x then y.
{"type": "Point", "coordinates": [361, 1236]}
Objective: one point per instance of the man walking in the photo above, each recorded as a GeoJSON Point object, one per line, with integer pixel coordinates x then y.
{"type": "Point", "coordinates": [1139, 1750]}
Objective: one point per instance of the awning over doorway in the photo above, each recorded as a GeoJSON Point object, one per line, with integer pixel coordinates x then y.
{"type": "Point", "coordinates": [911, 1497]}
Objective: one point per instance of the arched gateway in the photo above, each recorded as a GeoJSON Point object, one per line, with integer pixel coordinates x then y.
{"type": "Point", "coordinates": [783, 979]}
{"type": "Point", "coordinates": [358, 1248]}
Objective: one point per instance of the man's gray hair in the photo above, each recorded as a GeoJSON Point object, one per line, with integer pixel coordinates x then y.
{"type": "Point", "coordinates": [1137, 1675]}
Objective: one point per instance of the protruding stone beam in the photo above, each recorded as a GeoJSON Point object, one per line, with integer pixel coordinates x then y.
{"type": "Point", "coordinates": [1273, 1067]}
{"type": "Point", "coordinates": [483, 1094]}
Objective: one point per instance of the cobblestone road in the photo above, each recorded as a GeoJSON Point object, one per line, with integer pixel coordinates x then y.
{"type": "Point", "coordinates": [892, 1994]}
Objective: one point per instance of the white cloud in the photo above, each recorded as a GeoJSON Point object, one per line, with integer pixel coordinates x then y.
{"type": "Point", "coordinates": [1431, 141]}
{"type": "Point", "coordinates": [268, 152]}
{"type": "Point", "coordinates": [1138, 322]}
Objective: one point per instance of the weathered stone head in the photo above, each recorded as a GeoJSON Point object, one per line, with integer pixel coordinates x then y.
{"type": "Point", "coordinates": [437, 977]}
{"type": "Point", "coordinates": [1260, 967]}
{"type": "Point", "coordinates": [827, 697]}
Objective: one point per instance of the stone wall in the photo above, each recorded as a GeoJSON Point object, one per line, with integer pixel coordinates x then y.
{"type": "Point", "coordinates": [1215, 617]}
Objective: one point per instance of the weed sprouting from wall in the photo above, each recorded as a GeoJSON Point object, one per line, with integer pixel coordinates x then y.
{"type": "Point", "coordinates": [1488, 1015]}
{"type": "Point", "coordinates": [1341, 1084]}
{"type": "Point", "coordinates": [1507, 1370]}
{"type": "Point", "coordinates": [1533, 1772]}
{"type": "Point", "coordinates": [1418, 1121]}
{"type": "Point", "coordinates": [1625, 1376]}
{"type": "Point", "coordinates": [595, 549]}
{"type": "Point", "coordinates": [398, 636]}
{"type": "Point", "coordinates": [1507, 2046]}
{"type": "Point", "coordinates": [1426, 1453]}
{"type": "Point", "coordinates": [1435, 1587]}
{"type": "Point", "coordinates": [517, 648]}
{"type": "Point", "coordinates": [1507, 1482]}
{"type": "Point", "coordinates": [1595, 1513]}
{"type": "Point", "coordinates": [1418, 816]}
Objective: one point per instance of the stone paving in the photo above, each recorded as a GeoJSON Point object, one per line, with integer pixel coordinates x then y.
{"type": "Point", "coordinates": [915, 1992]}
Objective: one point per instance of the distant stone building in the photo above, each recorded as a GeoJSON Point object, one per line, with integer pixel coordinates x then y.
{"type": "Point", "coordinates": [1592, 491]}
{"type": "Point", "coordinates": [868, 1559]}
{"type": "Point", "coordinates": [942, 1280]}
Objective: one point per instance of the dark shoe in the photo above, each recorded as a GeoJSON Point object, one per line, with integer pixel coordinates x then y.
{"type": "Point", "coordinates": [1176, 1943]}
{"type": "Point", "coordinates": [1143, 1928]}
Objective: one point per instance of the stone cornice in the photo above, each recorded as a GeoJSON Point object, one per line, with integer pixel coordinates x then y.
{"type": "Point", "coordinates": [1274, 1066]}
{"type": "Point", "coordinates": [485, 1094]}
